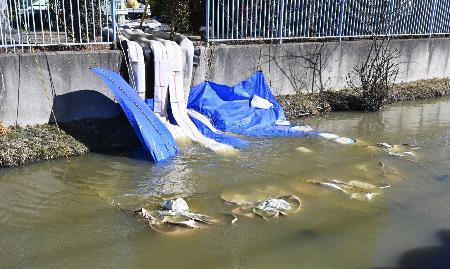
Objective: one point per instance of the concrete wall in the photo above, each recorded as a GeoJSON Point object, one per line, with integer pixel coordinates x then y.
{"type": "Point", "coordinates": [286, 65]}
{"type": "Point", "coordinates": [31, 85]}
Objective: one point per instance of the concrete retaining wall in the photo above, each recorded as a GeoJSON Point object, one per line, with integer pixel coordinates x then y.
{"type": "Point", "coordinates": [287, 69]}
{"type": "Point", "coordinates": [31, 85]}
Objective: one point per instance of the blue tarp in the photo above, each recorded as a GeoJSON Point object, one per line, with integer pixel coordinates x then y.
{"type": "Point", "coordinates": [222, 138]}
{"type": "Point", "coordinates": [154, 136]}
{"type": "Point", "coordinates": [229, 108]}
{"type": "Point", "coordinates": [206, 131]}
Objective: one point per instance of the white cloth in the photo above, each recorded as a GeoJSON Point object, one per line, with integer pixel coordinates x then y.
{"type": "Point", "coordinates": [136, 61]}
{"type": "Point", "coordinates": [259, 102]}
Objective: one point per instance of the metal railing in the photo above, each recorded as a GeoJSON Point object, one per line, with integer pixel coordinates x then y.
{"type": "Point", "coordinates": [30, 23]}
{"type": "Point", "coordinates": [234, 20]}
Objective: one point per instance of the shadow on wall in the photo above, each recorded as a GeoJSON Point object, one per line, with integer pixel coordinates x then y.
{"type": "Point", "coordinates": [437, 257]}
{"type": "Point", "coordinates": [83, 104]}
{"type": "Point", "coordinates": [93, 119]}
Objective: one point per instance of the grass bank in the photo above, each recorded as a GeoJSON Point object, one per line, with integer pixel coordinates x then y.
{"type": "Point", "coordinates": [24, 145]}
{"type": "Point", "coordinates": [299, 105]}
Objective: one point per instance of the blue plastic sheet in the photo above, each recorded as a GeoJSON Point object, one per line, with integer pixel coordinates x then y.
{"type": "Point", "coordinates": [229, 108]}
{"type": "Point", "coordinates": [154, 136]}
{"type": "Point", "coordinates": [206, 131]}
{"type": "Point", "coordinates": [222, 138]}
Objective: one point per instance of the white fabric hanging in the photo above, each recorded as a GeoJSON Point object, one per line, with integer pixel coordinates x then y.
{"type": "Point", "coordinates": [136, 61]}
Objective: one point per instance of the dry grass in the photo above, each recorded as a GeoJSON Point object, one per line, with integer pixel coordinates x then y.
{"type": "Point", "coordinates": [298, 105]}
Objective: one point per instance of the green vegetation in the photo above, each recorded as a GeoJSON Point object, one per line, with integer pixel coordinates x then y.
{"type": "Point", "coordinates": [23, 145]}
{"type": "Point", "coordinates": [184, 16]}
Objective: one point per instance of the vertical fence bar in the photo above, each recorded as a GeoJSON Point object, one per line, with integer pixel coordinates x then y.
{"type": "Point", "coordinates": [281, 22]}
{"type": "Point", "coordinates": [232, 18]}
{"type": "Point", "coordinates": [390, 24]}
{"type": "Point", "coordinates": [223, 19]}
{"type": "Point", "coordinates": [432, 18]}
{"type": "Point", "coordinates": [228, 18]}
{"type": "Point", "coordinates": [207, 23]}
{"type": "Point", "coordinates": [242, 19]}
{"type": "Point", "coordinates": [213, 33]}
{"type": "Point", "coordinates": [26, 13]}
{"type": "Point", "coordinates": [245, 32]}
{"type": "Point", "coordinates": [18, 24]}
{"type": "Point", "coordinates": [3, 19]}
{"type": "Point", "coordinates": [93, 20]}
{"type": "Point", "coordinates": [57, 19]}
{"type": "Point", "coordinates": [277, 21]}
{"type": "Point", "coordinates": [264, 20]}
{"type": "Point", "coordinates": [49, 22]}
{"type": "Point", "coordinates": [218, 20]}
{"type": "Point", "coordinates": [258, 18]}
{"type": "Point", "coordinates": [100, 25]}
{"type": "Point", "coordinates": [64, 19]}
{"type": "Point", "coordinates": [237, 18]}
{"type": "Point", "coordinates": [341, 17]}
{"type": "Point", "coordinates": [113, 21]}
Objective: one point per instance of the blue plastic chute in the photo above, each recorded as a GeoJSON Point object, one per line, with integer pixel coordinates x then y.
{"type": "Point", "coordinates": [154, 136]}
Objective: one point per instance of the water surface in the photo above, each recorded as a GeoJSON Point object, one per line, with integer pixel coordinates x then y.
{"type": "Point", "coordinates": [58, 215]}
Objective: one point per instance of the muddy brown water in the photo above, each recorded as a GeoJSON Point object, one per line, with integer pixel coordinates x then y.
{"type": "Point", "coordinates": [52, 214]}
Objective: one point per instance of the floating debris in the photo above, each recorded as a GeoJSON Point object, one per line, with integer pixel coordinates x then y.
{"type": "Point", "coordinates": [177, 205]}
{"type": "Point", "coordinates": [273, 207]}
{"type": "Point", "coordinates": [337, 139]}
{"type": "Point", "coordinates": [175, 218]}
{"type": "Point", "coordinates": [266, 209]}
{"type": "Point", "coordinates": [304, 150]}
{"type": "Point", "coordinates": [345, 141]}
{"type": "Point", "coordinates": [384, 145]}
{"type": "Point", "coordinates": [402, 150]}
{"type": "Point", "coordinates": [356, 189]}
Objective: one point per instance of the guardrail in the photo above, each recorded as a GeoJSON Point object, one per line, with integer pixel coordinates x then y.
{"type": "Point", "coordinates": [31, 23]}
{"type": "Point", "coordinates": [237, 20]}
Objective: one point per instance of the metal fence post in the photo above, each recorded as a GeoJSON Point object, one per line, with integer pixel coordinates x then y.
{"type": "Point", "coordinates": [391, 14]}
{"type": "Point", "coordinates": [113, 20]}
{"type": "Point", "coordinates": [207, 22]}
{"type": "Point", "coordinates": [281, 22]}
{"type": "Point", "coordinates": [432, 18]}
{"type": "Point", "coordinates": [341, 17]}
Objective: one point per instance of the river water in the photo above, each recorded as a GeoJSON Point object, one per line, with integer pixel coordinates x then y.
{"type": "Point", "coordinates": [58, 214]}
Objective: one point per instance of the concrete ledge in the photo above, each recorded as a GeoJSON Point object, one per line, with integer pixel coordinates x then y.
{"type": "Point", "coordinates": [286, 69]}
{"type": "Point", "coordinates": [34, 84]}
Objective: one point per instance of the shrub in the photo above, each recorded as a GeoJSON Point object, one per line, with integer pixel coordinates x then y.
{"type": "Point", "coordinates": [374, 76]}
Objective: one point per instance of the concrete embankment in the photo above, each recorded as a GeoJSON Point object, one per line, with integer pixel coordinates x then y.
{"type": "Point", "coordinates": [34, 85]}
{"type": "Point", "coordinates": [288, 66]}
{"type": "Point", "coordinates": [36, 89]}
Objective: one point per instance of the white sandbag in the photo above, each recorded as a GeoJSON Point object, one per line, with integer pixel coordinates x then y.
{"type": "Point", "coordinates": [137, 64]}
{"type": "Point", "coordinates": [259, 102]}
